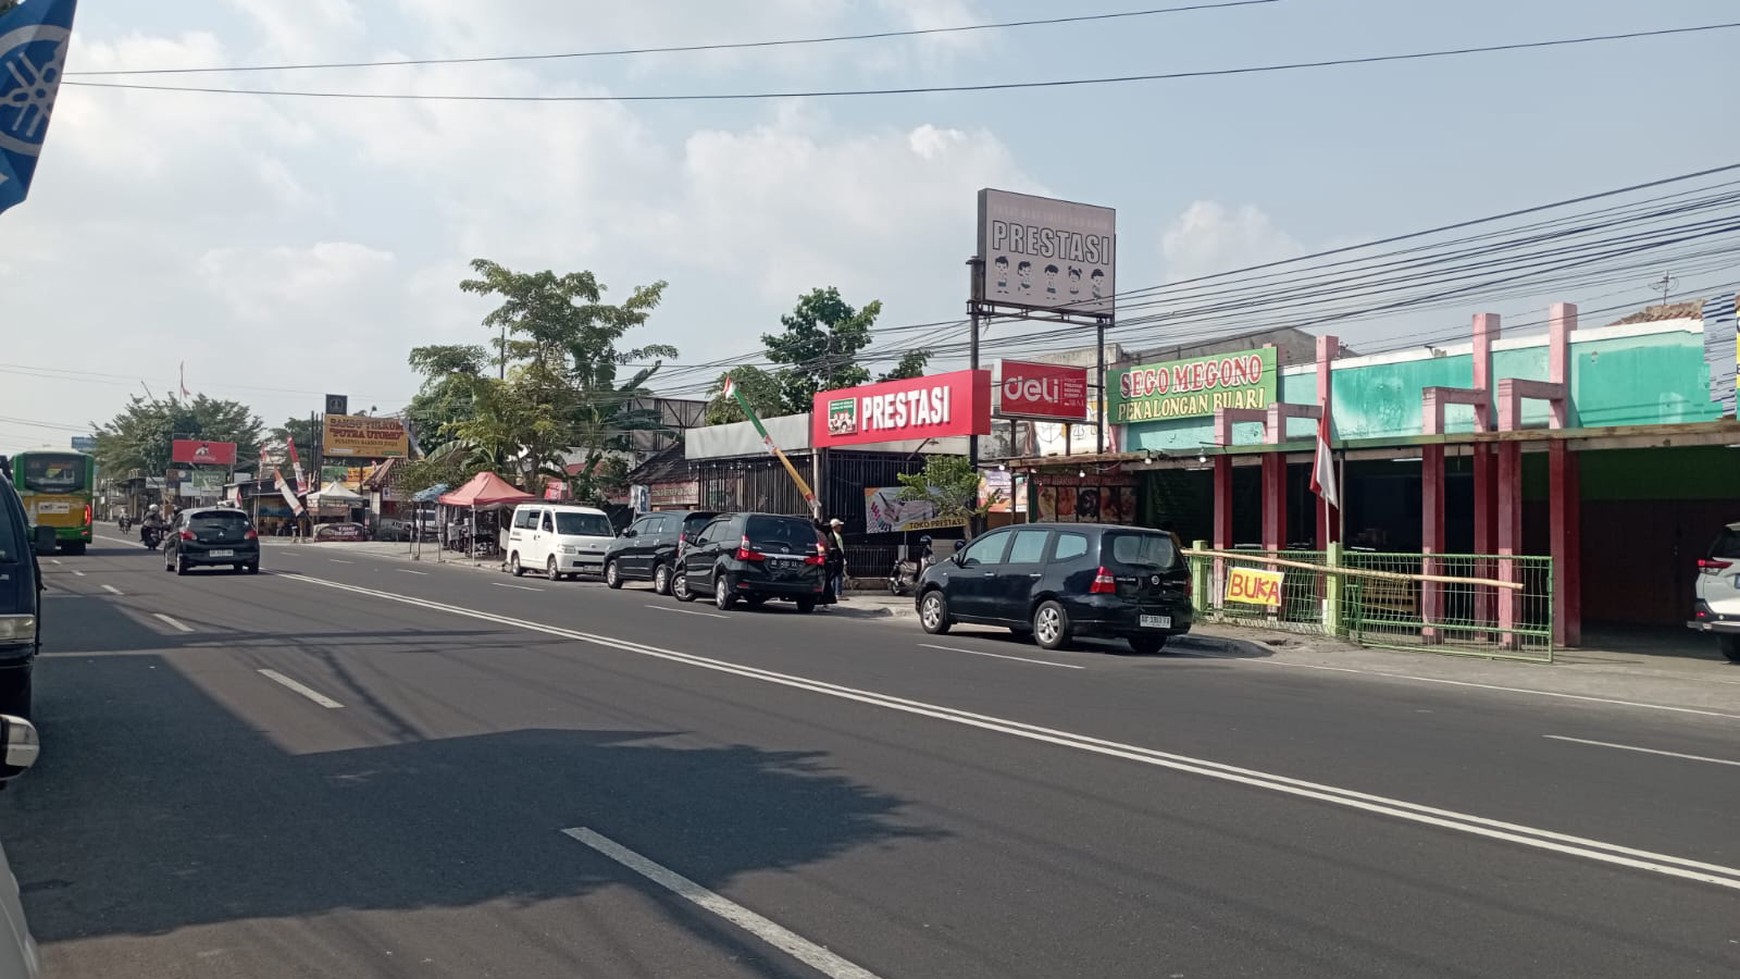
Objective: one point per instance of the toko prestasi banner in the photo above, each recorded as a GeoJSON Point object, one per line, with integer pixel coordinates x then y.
{"type": "Point", "coordinates": [34, 38]}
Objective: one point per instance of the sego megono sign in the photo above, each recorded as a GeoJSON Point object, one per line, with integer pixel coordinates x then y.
{"type": "Point", "coordinates": [1192, 388]}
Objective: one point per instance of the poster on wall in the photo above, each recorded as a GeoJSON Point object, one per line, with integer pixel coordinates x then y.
{"type": "Point", "coordinates": [886, 513]}
{"type": "Point", "coordinates": [1091, 499]}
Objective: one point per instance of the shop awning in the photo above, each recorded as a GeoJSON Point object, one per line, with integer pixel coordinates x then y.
{"type": "Point", "coordinates": [486, 490]}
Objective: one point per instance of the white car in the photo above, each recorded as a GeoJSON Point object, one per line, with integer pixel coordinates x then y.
{"type": "Point", "coordinates": [1717, 610]}
{"type": "Point", "coordinates": [18, 750]}
{"type": "Point", "coordinates": [558, 539]}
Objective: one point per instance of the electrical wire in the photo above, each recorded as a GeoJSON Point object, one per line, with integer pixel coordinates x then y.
{"type": "Point", "coordinates": [926, 89]}
{"type": "Point", "coordinates": [685, 48]}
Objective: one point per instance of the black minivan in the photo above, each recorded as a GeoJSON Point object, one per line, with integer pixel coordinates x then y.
{"type": "Point", "coordinates": [1058, 582]}
{"type": "Point", "coordinates": [754, 557]}
{"type": "Point", "coordinates": [646, 550]}
{"type": "Point", "coordinates": [20, 598]}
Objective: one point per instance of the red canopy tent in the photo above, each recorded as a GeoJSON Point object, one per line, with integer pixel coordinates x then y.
{"type": "Point", "coordinates": [486, 490]}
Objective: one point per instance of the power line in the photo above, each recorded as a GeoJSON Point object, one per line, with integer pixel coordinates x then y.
{"type": "Point", "coordinates": [924, 89]}
{"type": "Point", "coordinates": [685, 48]}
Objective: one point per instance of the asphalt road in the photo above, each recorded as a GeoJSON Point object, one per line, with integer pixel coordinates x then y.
{"type": "Point", "coordinates": [364, 767]}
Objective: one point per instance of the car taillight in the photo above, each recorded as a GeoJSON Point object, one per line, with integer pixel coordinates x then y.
{"type": "Point", "coordinates": [87, 513]}
{"type": "Point", "coordinates": [187, 535]}
{"type": "Point", "coordinates": [1710, 565]}
{"type": "Point", "coordinates": [1104, 583]}
{"type": "Point", "coordinates": [252, 534]}
{"type": "Point", "coordinates": [820, 557]}
{"type": "Point", "coordinates": [747, 553]}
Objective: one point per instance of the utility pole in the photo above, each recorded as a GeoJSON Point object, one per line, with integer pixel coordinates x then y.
{"type": "Point", "coordinates": [1665, 284]}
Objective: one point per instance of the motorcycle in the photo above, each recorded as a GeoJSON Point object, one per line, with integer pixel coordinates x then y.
{"type": "Point", "coordinates": [903, 577]}
{"type": "Point", "coordinates": [151, 537]}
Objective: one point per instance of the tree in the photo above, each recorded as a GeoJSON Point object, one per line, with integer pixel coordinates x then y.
{"type": "Point", "coordinates": [823, 335]}
{"type": "Point", "coordinates": [912, 364]}
{"type": "Point", "coordinates": [760, 388]}
{"type": "Point", "coordinates": [952, 484]}
{"type": "Point", "coordinates": [450, 374]}
{"type": "Point", "coordinates": [141, 435]}
{"type": "Point", "coordinates": [306, 432]}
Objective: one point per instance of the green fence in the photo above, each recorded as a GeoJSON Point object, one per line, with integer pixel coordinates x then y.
{"type": "Point", "coordinates": [1480, 605]}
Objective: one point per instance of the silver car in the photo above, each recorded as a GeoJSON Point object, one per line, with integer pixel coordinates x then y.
{"type": "Point", "coordinates": [1717, 610]}
{"type": "Point", "coordinates": [18, 751]}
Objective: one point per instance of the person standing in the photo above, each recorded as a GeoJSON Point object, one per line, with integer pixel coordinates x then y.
{"type": "Point", "coordinates": [837, 559]}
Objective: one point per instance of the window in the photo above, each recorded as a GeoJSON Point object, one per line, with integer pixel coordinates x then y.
{"type": "Point", "coordinates": [695, 521]}
{"type": "Point", "coordinates": [711, 532]}
{"type": "Point", "coordinates": [549, 524]}
{"type": "Point", "coordinates": [525, 519]}
{"type": "Point", "coordinates": [49, 473]}
{"type": "Point", "coordinates": [660, 525]}
{"type": "Point", "coordinates": [11, 545]}
{"type": "Point", "coordinates": [1069, 547]}
{"type": "Point", "coordinates": [227, 521]}
{"type": "Point", "coordinates": [1027, 547]}
{"type": "Point", "coordinates": [986, 550]}
{"type": "Point", "coordinates": [795, 533]}
{"type": "Point", "coordinates": [583, 525]}
{"type": "Point", "coordinates": [1150, 550]}
{"type": "Point", "coordinates": [1727, 545]}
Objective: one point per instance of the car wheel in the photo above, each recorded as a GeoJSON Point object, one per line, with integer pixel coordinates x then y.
{"type": "Point", "coordinates": [933, 612]}
{"type": "Point", "coordinates": [168, 565]}
{"type": "Point", "coordinates": [806, 605]}
{"type": "Point", "coordinates": [550, 571]}
{"type": "Point", "coordinates": [722, 596]}
{"type": "Point", "coordinates": [612, 574]}
{"type": "Point", "coordinates": [1051, 626]}
{"type": "Point", "coordinates": [661, 579]}
{"type": "Point", "coordinates": [680, 587]}
{"type": "Point", "coordinates": [1147, 645]}
{"type": "Point", "coordinates": [181, 565]}
{"type": "Point", "coordinates": [514, 564]}
{"type": "Point", "coordinates": [1730, 646]}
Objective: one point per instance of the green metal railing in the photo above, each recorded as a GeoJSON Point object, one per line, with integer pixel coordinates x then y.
{"type": "Point", "coordinates": [1479, 605]}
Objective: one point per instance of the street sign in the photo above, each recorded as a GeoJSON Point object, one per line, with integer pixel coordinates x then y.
{"type": "Point", "coordinates": [338, 404]}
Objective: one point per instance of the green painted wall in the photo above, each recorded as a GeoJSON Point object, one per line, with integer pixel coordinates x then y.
{"type": "Point", "coordinates": [1655, 379]}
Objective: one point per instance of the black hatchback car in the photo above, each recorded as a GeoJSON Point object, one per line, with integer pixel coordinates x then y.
{"type": "Point", "coordinates": [646, 550]}
{"type": "Point", "coordinates": [1059, 582]}
{"type": "Point", "coordinates": [212, 537]}
{"type": "Point", "coordinates": [754, 557]}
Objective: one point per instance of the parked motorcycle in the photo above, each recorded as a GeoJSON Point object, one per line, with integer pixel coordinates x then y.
{"type": "Point", "coordinates": [903, 577]}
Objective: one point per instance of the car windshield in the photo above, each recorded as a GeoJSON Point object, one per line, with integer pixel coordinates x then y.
{"type": "Point", "coordinates": [584, 525]}
{"type": "Point", "coordinates": [219, 520]}
{"type": "Point", "coordinates": [1148, 550]}
{"type": "Point", "coordinates": [794, 532]}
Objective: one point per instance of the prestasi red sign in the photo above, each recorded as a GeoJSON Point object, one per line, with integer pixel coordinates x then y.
{"type": "Point", "coordinates": [940, 406]}
{"type": "Point", "coordinates": [1052, 391]}
{"type": "Point", "coordinates": [192, 452]}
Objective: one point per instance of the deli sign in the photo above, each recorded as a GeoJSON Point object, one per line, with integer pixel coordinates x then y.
{"type": "Point", "coordinates": [1055, 392]}
{"type": "Point", "coordinates": [194, 452]}
{"type": "Point", "coordinates": [940, 406]}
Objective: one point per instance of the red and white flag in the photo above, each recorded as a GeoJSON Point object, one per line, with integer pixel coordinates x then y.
{"type": "Point", "coordinates": [289, 495]}
{"type": "Point", "coordinates": [1323, 464]}
{"type": "Point", "coordinates": [185, 393]}
{"type": "Point", "coordinates": [296, 467]}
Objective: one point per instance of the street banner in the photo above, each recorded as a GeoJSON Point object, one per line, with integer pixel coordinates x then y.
{"type": "Point", "coordinates": [1251, 586]}
{"type": "Point", "coordinates": [364, 436]}
{"type": "Point", "coordinates": [197, 452]}
{"type": "Point", "coordinates": [886, 513]}
{"type": "Point", "coordinates": [733, 391]}
{"type": "Point", "coordinates": [288, 493]}
{"type": "Point", "coordinates": [34, 38]}
{"type": "Point", "coordinates": [296, 467]}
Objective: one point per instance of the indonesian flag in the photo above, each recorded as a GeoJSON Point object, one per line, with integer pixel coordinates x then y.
{"type": "Point", "coordinates": [1323, 464]}
{"type": "Point", "coordinates": [289, 495]}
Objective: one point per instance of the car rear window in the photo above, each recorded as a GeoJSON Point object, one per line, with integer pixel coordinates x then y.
{"type": "Point", "coordinates": [793, 531]}
{"type": "Point", "coordinates": [693, 523]}
{"type": "Point", "coordinates": [1148, 550]}
{"type": "Point", "coordinates": [584, 525]}
{"type": "Point", "coordinates": [219, 520]}
{"type": "Point", "coordinates": [1727, 544]}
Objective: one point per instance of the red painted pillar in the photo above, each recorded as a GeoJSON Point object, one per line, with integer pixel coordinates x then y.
{"type": "Point", "coordinates": [1487, 327]}
{"type": "Point", "coordinates": [1431, 537]}
{"type": "Point", "coordinates": [1223, 502]}
{"type": "Point", "coordinates": [1567, 545]}
{"type": "Point", "coordinates": [1509, 513]}
{"type": "Point", "coordinates": [1274, 501]}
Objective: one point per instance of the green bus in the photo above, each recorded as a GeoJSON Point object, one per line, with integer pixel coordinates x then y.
{"type": "Point", "coordinates": [56, 487]}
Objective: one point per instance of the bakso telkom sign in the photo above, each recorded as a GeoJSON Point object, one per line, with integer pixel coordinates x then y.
{"type": "Point", "coordinates": [940, 406]}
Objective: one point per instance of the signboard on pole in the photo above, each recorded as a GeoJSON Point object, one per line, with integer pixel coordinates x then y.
{"type": "Point", "coordinates": [364, 437]}
{"type": "Point", "coordinates": [84, 443]}
{"type": "Point", "coordinates": [1192, 388]}
{"type": "Point", "coordinates": [1055, 392]}
{"type": "Point", "coordinates": [196, 452]}
{"type": "Point", "coordinates": [1040, 253]}
{"type": "Point", "coordinates": [939, 406]}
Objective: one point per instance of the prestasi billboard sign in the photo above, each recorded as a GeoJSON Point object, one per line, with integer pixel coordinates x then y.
{"type": "Point", "coordinates": [1040, 253]}
{"type": "Point", "coordinates": [939, 406]}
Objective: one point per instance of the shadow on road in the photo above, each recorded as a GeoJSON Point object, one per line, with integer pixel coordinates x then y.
{"type": "Point", "coordinates": [154, 809]}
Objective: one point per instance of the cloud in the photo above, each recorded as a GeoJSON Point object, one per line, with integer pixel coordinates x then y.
{"type": "Point", "coordinates": [1208, 238]}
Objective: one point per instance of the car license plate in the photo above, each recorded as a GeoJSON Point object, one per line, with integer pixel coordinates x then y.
{"type": "Point", "coordinates": [233, 554]}
{"type": "Point", "coordinates": [54, 508]}
{"type": "Point", "coordinates": [1156, 621]}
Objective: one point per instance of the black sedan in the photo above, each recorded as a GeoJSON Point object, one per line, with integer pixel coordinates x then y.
{"type": "Point", "coordinates": [212, 537]}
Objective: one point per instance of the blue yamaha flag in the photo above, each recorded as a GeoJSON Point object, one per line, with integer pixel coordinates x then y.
{"type": "Point", "coordinates": [33, 45]}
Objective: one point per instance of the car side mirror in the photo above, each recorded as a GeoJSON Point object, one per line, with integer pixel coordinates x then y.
{"type": "Point", "coordinates": [631, 532]}
{"type": "Point", "coordinates": [19, 746]}
{"type": "Point", "coordinates": [42, 540]}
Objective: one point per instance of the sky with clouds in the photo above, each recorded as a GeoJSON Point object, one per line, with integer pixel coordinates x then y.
{"type": "Point", "coordinates": [282, 248]}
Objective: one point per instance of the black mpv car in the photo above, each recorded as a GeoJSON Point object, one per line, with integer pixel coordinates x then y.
{"type": "Point", "coordinates": [212, 536]}
{"type": "Point", "coordinates": [754, 557]}
{"type": "Point", "coordinates": [647, 549]}
{"type": "Point", "coordinates": [1059, 582]}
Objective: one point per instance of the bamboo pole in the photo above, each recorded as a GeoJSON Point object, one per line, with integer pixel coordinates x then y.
{"type": "Point", "coordinates": [1263, 557]}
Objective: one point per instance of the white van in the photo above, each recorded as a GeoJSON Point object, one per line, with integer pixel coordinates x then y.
{"type": "Point", "coordinates": [559, 540]}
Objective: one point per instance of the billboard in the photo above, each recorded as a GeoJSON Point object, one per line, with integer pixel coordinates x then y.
{"type": "Point", "coordinates": [1192, 388]}
{"type": "Point", "coordinates": [195, 452]}
{"type": "Point", "coordinates": [1040, 253]}
{"type": "Point", "coordinates": [364, 437]}
{"type": "Point", "coordinates": [84, 443]}
{"type": "Point", "coordinates": [1055, 392]}
{"type": "Point", "coordinates": [940, 406]}
{"type": "Point", "coordinates": [886, 513]}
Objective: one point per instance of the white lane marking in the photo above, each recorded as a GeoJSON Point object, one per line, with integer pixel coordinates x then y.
{"type": "Point", "coordinates": [780, 937]}
{"type": "Point", "coordinates": [1647, 751]}
{"type": "Point", "coordinates": [54, 560]}
{"type": "Point", "coordinates": [117, 540]}
{"type": "Point", "coordinates": [312, 694]}
{"type": "Point", "coordinates": [1541, 839]}
{"type": "Point", "coordinates": [78, 574]}
{"type": "Point", "coordinates": [111, 589]}
{"type": "Point", "coordinates": [175, 624]}
{"type": "Point", "coordinates": [409, 571]}
{"type": "Point", "coordinates": [1018, 659]}
{"type": "Point", "coordinates": [503, 584]}
{"type": "Point", "coordinates": [685, 611]}
{"type": "Point", "coordinates": [339, 561]}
